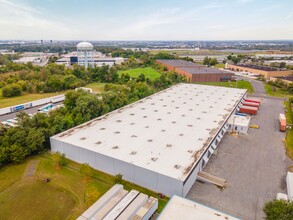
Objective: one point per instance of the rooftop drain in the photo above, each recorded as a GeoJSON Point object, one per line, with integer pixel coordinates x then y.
{"type": "Point", "coordinates": [115, 147]}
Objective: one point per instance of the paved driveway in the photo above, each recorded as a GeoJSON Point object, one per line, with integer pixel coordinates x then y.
{"type": "Point", "coordinates": [254, 165]}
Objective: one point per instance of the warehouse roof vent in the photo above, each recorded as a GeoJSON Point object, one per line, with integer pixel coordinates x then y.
{"type": "Point", "coordinates": [98, 142]}
{"type": "Point", "coordinates": [163, 130]}
{"type": "Point", "coordinates": [115, 147]}
{"type": "Point", "coordinates": [169, 145]}
{"type": "Point", "coordinates": [150, 140]}
{"type": "Point", "coordinates": [189, 151]}
{"type": "Point", "coordinates": [159, 119]}
{"type": "Point", "coordinates": [190, 125]}
{"type": "Point", "coordinates": [147, 126]}
{"type": "Point", "coordinates": [117, 132]}
{"type": "Point", "coordinates": [181, 134]}
{"type": "Point", "coordinates": [155, 110]}
{"type": "Point", "coordinates": [133, 136]}
{"type": "Point", "coordinates": [142, 108]}
{"type": "Point", "coordinates": [102, 129]}
{"type": "Point", "coordinates": [145, 116]}
{"type": "Point", "coordinates": [132, 123]}
{"type": "Point", "coordinates": [154, 159]}
{"type": "Point", "coordinates": [118, 121]}
{"type": "Point", "coordinates": [173, 122]}
{"type": "Point", "coordinates": [82, 138]}
{"type": "Point", "coordinates": [133, 153]}
{"type": "Point", "coordinates": [131, 114]}
{"type": "Point", "coordinates": [177, 166]}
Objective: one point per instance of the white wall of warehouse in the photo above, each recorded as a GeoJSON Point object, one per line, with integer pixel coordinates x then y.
{"type": "Point", "coordinates": [132, 173]}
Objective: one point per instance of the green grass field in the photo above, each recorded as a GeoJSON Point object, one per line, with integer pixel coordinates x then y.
{"type": "Point", "coordinates": [240, 85]}
{"type": "Point", "coordinates": [96, 87]}
{"type": "Point", "coordinates": [147, 71]}
{"type": "Point", "coordinates": [26, 97]}
{"type": "Point", "coordinates": [277, 92]}
{"type": "Point", "coordinates": [66, 196]}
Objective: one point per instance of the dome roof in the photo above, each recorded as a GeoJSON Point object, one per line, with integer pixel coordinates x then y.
{"type": "Point", "coordinates": [84, 46]}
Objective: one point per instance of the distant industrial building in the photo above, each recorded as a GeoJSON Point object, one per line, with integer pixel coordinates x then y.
{"type": "Point", "coordinates": [196, 72]}
{"type": "Point", "coordinates": [87, 56]}
{"type": "Point", "coordinates": [267, 72]}
{"type": "Point", "coordinates": [181, 208]}
{"type": "Point", "coordinates": [117, 203]}
{"type": "Point", "coordinates": [160, 142]}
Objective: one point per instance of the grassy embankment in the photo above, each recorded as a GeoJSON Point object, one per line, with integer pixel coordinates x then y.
{"type": "Point", "coordinates": [28, 97]}
{"type": "Point", "coordinates": [240, 85]}
{"type": "Point", "coordinates": [289, 134]}
{"type": "Point", "coordinates": [66, 196]}
{"type": "Point", "coordinates": [275, 91]}
{"type": "Point", "coordinates": [149, 72]}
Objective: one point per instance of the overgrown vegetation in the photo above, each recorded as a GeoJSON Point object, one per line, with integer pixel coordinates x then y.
{"type": "Point", "coordinates": [279, 209]}
{"type": "Point", "coordinates": [289, 134]}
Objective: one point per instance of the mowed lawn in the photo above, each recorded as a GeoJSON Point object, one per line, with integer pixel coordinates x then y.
{"type": "Point", "coordinates": [96, 87]}
{"type": "Point", "coordinates": [28, 97]}
{"type": "Point", "coordinates": [6, 102]}
{"type": "Point", "coordinates": [239, 84]}
{"type": "Point", "coordinates": [66, 196]}
{"type": "Point", "coordinates": [149, 72]}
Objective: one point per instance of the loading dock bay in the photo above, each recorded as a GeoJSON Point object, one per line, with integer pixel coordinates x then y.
{"type": "Point", "coordinates": [254, 165]}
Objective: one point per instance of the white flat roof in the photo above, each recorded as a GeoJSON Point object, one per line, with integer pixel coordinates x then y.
{"type": "Point", "coordinates": [166, 132]}
{"type": "Point", "coordinates": [181, 208]}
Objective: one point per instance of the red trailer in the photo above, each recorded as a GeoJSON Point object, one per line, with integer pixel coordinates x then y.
{"type": "Point", "coordinates": [251, 104]}
{"type": "Point", "coordinates": [252, 100]}
{"type": "Point", "coordinates": [248, 110]}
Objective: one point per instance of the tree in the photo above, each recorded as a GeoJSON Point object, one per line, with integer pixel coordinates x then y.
{"type": "Point", "coordinates": [283, 65]}
{"type": "Point", "coordinates": [86, 170]}
{"type": "Point", "coordinates": [141, 78]}
{"type": "Point", "coordinates": [206, 61]}
{"type": "Point", "coordinates": [59, 159]}
{"type": "Point", "coordinates": [35, 140]}
{"type": "Point", "coordinates": [279, 209]}
{"type": "Point", "coordinates": [16, 153]}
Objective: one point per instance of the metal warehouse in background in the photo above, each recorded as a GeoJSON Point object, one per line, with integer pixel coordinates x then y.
{"type": "Point", "coordinates": [160, 142]}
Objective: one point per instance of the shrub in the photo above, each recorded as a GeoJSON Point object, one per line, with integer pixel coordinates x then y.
{"type": "Point", "coordinates": [118, 178]}
{"type": "Point", "coordinates": [11, 90]}
{"type": "Point", "coordinates": [59, 159]}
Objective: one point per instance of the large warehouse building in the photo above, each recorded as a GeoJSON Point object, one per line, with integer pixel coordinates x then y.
{"type": "Point", "coordinates": [267, 72]}
{"type": "Point", "coordinates": [160, 142]}
{"type": "Point", "coordinates": [196, 72]}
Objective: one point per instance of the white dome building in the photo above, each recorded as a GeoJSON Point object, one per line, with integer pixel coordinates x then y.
{"type": "Point", "coordinates": [85, 54]}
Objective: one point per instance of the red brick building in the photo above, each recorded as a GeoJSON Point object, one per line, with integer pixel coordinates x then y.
{"type": "Point", "coordinates": [196, 72]}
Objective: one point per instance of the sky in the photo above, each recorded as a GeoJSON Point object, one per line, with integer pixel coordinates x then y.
{"type": "Point", "coordinates": [146, 20]}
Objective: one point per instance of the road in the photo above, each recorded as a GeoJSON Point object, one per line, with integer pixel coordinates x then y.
{"type": "Point", "coordinates": [254, 165]}
{"type": "Point", "coordinates": [28, 111]}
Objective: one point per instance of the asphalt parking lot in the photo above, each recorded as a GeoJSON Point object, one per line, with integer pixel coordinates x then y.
{"type": "Point", "coordinates": [254, 166]}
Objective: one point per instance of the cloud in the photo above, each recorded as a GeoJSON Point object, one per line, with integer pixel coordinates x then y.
{"type": "Point", "coordinates": [244, 1]}
{"type": "Point", "coordinates": [215, 27]}
{"type": "Point", "coordinates": [213, 5]}
{"type": "Point", "coordinates": [288, 16]}
{"type": "Point", "coordinates": [26, 22]}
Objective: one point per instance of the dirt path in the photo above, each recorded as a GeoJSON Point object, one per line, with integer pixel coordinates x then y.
{"type": "Point", "coordinates": [31, 169]}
